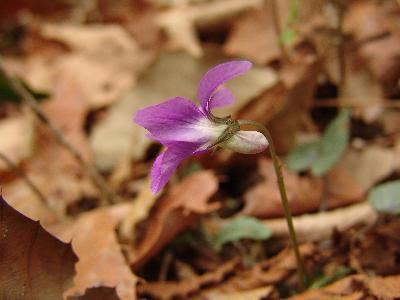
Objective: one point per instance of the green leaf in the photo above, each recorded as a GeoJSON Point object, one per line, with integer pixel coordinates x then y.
{"type": "Point", "coordinates": [385, 197]}
{"type": "Point", "coordinates": [339, 273]}
{"type": "Point", "coordinates": [7, 93]}
{"type": "Point", "coordinates": [287, 36]}
{"type": "Point", "coordinates": [241, 228]}
{"type": "Point", "coordinates": [333, 143]}
{"type": "Point", "coordinates": [303, 156]}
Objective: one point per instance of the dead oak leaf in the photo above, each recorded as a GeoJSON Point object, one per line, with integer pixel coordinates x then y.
{"type": "Point", "coordinates": [101, 262]}
{"type": "Point", "coordinates": [175, 212]}
{"type": "Point", "coordinates": [33, 263]}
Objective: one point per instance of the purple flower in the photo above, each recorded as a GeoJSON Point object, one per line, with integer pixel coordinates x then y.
{"type": "Point", "coordinates": [186, 129]}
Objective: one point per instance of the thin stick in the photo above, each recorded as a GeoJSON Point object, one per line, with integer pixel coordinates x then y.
{"type": "Point", "coordinates": [24, 177]}
{"type": "Point", "coordinates": [278, 29]}
{"type": "Point", "coordinates": [284, 200]}
{"type": "Point", "coordinates": [341, 49]}
{"type": "Point", "coordinates": [93, 173]}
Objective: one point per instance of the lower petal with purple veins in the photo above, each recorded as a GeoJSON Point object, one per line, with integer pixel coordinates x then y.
{"type": "Point", "coordinates": [166, 163]}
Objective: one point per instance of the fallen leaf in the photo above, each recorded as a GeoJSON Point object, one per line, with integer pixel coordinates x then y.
{"type": "Point", "coordinates": [98, 293]}
{"type": "Point", "coordinates": [34, 264]}
{"type": "Point", "coordinates": [184, 288]}
{"type": "Point", "coordinates": [180, 21]}
{"type": "Point", "coordinates": [269, 272]}
{"type": "Point", "coordinates": [241, 227]}
{"type": "Point", "coordinates": [175, 212]}
{"type": "Point", "coordinates": [376, 250]}
{"type": "Point", "coordinates": [370, 164]}
{"type": "Point", "coordinates": [314, 227]}
{"type": "Point", "coordinates": [355, 287]}
{"type": "Point", "coordinates": [252, 294]}
{"type": "Point", "coordinates": [18, 136]}
{"type": "Point", "coordinates": [263, 199]}
{"type": "Point", "coordinates": [101, 262]}
{"type": "Point", "coordinates": [103, 60]}
{"type": "Point", "coordinates": [385, 198]}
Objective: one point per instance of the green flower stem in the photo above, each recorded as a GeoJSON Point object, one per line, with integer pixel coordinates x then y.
{"type": "Point", "coordinates": [285, 204]}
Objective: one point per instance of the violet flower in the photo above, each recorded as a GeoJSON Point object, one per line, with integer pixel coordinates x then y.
{"type": "Point", "coordinates": [186, 129]}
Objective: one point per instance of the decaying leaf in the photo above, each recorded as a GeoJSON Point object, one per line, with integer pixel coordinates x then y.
{"type": "Point", "coordinates": [314, 227]}
{"type": "Point", "coordinates": [101, 262]}
{"type": "Point", "coordinates": [103, 60]}
{"type": "Point", "coordinates": [98, 293]}
{"type": "Point", "coordinates": [33, 263]}
{"type": "Point", "coordinates": [180, 21]}
{"type": "Point", "coordinates": [184, 288]}
{"type": "Point", "coordinates": [175, 212]}
{"type": "Point", "coordinates": [18, 136]}
{"type": "Point", "coordinates": [263, 199]}
{"type": "Point", "coordinates": [356, 287]}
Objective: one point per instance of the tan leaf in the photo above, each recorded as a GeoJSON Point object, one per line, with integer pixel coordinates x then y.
{"type": "Point", "coordinates": [180, 21]}
{"type": "Point", "coordinates": [101, 262]}
{"type": "Point", "coordinates": [253, 294]}
{"type": "Point", "coordinates": [175, 212]}
{"type": "Point", "coordinates": [314, 227]}
{"type": "Point", "coordinates": [263, 200]}
{"type": "Point", "coordinates": [34, 264]}
{"type": "Point", "coordinates": [18, 136]}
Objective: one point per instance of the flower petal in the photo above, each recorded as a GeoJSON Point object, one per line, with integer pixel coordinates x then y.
{"type": "Point", "coordinates": [172, 120]}
{"type": "Point", "coordinates": [247, 142]}
{"type": "Point", "coordinates": [217, 76]}
{"type": "Point", "coordinates": [221, 98]}
{"type": "Point", "coordinates": [167, 162]}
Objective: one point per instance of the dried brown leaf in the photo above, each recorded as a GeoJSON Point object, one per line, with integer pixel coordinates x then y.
{"type": "Point", "coordinates": [175, 212]}
{"type": "Point", "coordinates": [33, 263]}
{"type": "Point", "coordinates": [98, 293]}
{"type": "Point", "coordinates": [314, 227]}
{"type": "Point", "coordinates": [356, 287]}
{"type": "Point", "coordinates": [101, 262]}
{"type": "Point", "coordinates": [184, 288]}
{"type": "Point", "coordinates": [263, 200]}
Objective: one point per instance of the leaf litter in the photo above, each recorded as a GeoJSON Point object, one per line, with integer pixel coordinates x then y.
{"type": "Point", "coordinates": [98, 63]}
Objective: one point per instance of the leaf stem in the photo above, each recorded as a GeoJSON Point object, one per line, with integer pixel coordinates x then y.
{"type": "Point", "coordinates": [285, 204]}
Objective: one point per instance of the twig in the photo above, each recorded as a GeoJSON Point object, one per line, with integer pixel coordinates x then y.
{"type": "Point", "coordinates": [93, 173]}
{"type": "Point", "coordinates": [25, 177]}
{"type": "Point", "coordinates": [341, 49]}
{"type": "Point", "coordinates": [278, 29]}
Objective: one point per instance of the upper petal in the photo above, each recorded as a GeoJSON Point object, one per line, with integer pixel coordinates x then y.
{"type": "Point", "coordinates": [217, 76]}
{"type": "Point", "coordinates": [167, 162]}
{"type": "Point", "coordinates": [172, 120]}
{"type": "Point", "coordinates": [221, 98]}
{"type": "Point", "coordinates": [247, 142]}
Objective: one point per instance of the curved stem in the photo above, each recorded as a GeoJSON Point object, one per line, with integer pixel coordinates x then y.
{"type": "Point", "coordinates": [285, 204]}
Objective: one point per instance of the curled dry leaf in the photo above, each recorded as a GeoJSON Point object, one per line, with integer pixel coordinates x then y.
{"type": "Point", "coordinates": [377, 249]}
{"type": "Point", "coordinates": [180, 21]}
{"type": "Point", "coordinates": [253, 294]}
{"type": "Point", "coordinates": [103, 60]}
{"type": "Point", "coordinates": [175, 212]}
{"type": "Point", "coordinates": [33, 263]}
{"type": "Point", "coordinates": [182, 289]}
{"type": "Point", "coordinates": [356, 287]}
{"type": "Point", "coordinates": [98, 293]}
{"type": "Point", "coordinates": [101, 262]}
{"type": "Point", "coordinates": [314, 227]}
{"type": "Point", "coordinates": [376, 30]}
